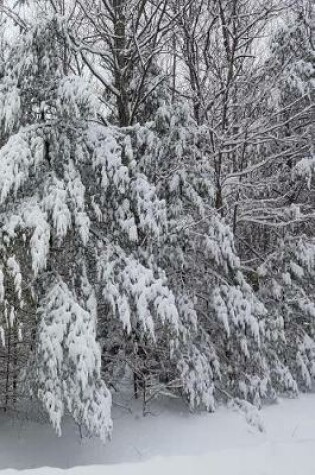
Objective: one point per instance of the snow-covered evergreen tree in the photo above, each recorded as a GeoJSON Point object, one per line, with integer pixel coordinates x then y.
{"type": "Point", "coordinates": [287, 276]}
{"type": "Point", "coordinates": [45, 224]}
{"type": "Point", "coordinates": [223, 318]}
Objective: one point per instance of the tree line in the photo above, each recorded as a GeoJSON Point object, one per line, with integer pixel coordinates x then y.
{"type": "Point", "coordinates": [156, 203]}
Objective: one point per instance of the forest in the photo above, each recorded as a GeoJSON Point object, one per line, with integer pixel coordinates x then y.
{"type": "Point", "coordinates": [157, 204]}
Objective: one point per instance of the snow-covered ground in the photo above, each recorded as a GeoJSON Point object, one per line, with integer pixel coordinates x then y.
{"type": "Point", "coordinates": [170, 441]}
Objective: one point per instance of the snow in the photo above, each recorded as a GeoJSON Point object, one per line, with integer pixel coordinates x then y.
{"type": "Point", "coordinates": [170, 441]}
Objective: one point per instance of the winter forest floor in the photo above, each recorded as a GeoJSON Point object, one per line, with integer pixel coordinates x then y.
{"type": "Point", "coordinates": [170, 441]}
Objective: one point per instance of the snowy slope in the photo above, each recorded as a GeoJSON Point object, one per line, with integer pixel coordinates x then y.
{"type": "Point", "coordinates": [171, 442]}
